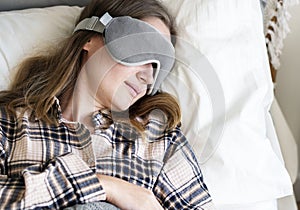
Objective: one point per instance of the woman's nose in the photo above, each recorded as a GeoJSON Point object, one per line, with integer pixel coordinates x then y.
{"type": "Point", "coordinates": [145, 74]}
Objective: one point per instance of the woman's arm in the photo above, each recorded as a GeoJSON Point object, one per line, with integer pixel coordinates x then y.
{"type": "Point", "coordinates": [128, 196]}
{"type": "Point", "coordinates": [64, 181]}
{"type": "Point", "coordinates": [180, 184]}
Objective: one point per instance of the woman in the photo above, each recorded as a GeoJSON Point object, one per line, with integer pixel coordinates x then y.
{"type": "Point", "coordinates": [86, 123]}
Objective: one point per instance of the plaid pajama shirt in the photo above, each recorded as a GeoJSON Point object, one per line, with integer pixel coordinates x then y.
{"type": "Point", "coordinates": [46, 166]}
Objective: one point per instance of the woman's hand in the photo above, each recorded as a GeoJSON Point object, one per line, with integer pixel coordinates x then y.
{"type": "Point", "coordinates": [128, 196]}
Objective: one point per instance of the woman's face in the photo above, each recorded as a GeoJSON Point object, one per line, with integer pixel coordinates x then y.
{"type": "Point", "coordinates": [116, 86]}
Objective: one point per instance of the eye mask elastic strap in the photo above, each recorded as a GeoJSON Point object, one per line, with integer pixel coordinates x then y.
{"type": "Point", "coordinates": [94, 23]}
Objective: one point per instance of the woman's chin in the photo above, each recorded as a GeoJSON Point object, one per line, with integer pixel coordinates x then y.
{"type": "Point", "coordinates": [121, 107]}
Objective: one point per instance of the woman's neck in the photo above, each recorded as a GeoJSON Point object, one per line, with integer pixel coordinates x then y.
{"type": "Point", "coordinates": [79, 105]}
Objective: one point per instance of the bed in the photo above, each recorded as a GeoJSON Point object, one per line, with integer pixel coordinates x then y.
{"type": "Point", "coordinates": [221, 78]}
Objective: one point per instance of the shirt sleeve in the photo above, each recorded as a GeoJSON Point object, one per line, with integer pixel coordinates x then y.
{"type": "Point", "coordinates": [180, 184]}
{"type": "Point", "coordinates": [64, 181]}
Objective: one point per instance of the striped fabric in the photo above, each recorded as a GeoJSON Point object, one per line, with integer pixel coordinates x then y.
{"type": "Point", "coordinates": [48, 166]}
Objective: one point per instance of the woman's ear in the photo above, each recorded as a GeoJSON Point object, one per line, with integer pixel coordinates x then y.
{"type": "Point", "coordinates": [93, 44]}
{"type": "Point", "coordinates": [87, 45]}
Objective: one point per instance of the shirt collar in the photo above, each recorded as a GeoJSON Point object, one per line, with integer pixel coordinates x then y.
{"type": "Point", "coordinates": [57, 108]}
{"type": "Point", "coordinates": [101, 118]}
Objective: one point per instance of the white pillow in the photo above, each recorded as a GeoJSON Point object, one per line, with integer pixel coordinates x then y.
{"type": "Point", "coordinates": [236, 154]}
{"type": "Point", "coordinates": [225, 100]}
{"type": "Point", "coordinates": [27, 31]}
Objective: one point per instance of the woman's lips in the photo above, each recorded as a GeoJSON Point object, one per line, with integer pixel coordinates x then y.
{"type": "Point", "coordinates": [133, 89]}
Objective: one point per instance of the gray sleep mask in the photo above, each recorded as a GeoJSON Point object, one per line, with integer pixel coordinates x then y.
{"type": "Point", "coordinates": [133, 42]}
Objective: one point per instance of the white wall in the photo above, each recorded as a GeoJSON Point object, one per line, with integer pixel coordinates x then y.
{"type": "Point", "coordinates": [287, 89]}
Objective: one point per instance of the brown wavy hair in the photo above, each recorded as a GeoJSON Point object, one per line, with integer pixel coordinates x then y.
{"type": "Point", "coordinates": [42, 78]}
